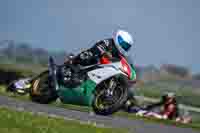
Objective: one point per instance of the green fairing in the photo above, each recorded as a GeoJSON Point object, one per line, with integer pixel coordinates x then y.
{"type": "Point", "coordinates": [133, 73]}
{"type": "Point", "coordinates": [82, 95]}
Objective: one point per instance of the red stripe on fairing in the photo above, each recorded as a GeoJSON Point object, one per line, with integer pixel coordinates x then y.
{"type": "Point", "coordinates": [125, 66]}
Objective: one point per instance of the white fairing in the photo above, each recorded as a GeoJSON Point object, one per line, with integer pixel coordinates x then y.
{"type": "Point", "coordinates": [104, 73]}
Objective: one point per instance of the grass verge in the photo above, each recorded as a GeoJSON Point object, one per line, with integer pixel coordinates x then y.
{"type": "Point", "coordinates": [26, 122]}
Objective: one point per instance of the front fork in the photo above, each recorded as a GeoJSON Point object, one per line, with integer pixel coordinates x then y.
{"type": "Point", "coordinates": [111, 87]}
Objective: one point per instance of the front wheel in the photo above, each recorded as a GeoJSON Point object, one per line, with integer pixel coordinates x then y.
{"type": "Point", "coordinates": [107, 105]}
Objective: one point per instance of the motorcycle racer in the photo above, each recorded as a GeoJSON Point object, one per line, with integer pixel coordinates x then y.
{"type": "Point", "coordinates": [20, 86]}
{"type": "Point", "coordinates": [120, 44]}
{"type": "Point", "coordinates": [105, 50]}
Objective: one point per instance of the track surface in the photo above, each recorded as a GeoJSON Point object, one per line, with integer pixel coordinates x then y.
{"type": "Point", "coordinates": [136, 126]}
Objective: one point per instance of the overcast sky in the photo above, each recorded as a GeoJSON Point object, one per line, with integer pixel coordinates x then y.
{"type": "Point", "coordinates": [166, 31]}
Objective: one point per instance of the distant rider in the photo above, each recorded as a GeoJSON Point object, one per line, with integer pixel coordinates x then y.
{"type": "Point", "coordinates": [170, 110]}
{"type": "Point", "coordinates": [170, 107]}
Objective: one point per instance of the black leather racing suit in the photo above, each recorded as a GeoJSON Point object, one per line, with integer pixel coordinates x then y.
{"type": "Point", "coordinates": [93, 54]}
{"type": "Point", "coordinates": [101, 48]}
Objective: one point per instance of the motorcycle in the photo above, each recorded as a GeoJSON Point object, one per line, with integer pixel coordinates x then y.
{"type": "Point", "coordinates": [20, 86]}
{"type": "Point", "coordinates": [103, 86]}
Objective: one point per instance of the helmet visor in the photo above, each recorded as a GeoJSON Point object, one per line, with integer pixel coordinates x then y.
{"type": "Point", "coordinates": [126, 46]}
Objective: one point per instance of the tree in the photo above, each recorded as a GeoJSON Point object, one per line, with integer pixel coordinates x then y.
{"type": "Point", "coordinates": [196, 76]}
{"type": "Point", "coordinates": [175, 70]}
{"type": "Point", "coordinates": [9, 51]}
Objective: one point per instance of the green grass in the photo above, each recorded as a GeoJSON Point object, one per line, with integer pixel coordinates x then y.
{"type": "Point", "coordinates": [26, 122]}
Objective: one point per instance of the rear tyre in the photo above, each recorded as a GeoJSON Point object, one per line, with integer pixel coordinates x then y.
{"type": "Point", "coordinates": [42, 90]}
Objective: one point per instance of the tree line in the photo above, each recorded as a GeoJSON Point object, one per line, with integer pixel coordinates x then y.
{"type": "Point", "coordinates": [15, 52]}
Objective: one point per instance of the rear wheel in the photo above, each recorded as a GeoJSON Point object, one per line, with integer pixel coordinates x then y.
{"type": "Point", "coordinates": [104, 105]}
{"type": "Point", "coordinates": [42, 90]}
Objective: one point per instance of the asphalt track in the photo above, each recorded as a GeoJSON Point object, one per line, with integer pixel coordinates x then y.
{"type": "Point", "coordinates": [135, 126]}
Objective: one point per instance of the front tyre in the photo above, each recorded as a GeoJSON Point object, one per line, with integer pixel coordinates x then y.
{"type": "Point", "coordinates": [103, 106]}
{"type": "Point", "coordinates": [42, 90]}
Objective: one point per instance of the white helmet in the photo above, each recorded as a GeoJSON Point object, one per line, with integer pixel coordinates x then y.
{"type": "Point", "coordinates": [123, 41]}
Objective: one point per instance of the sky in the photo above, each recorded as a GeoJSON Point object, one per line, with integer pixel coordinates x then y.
{"type": "Point", "coordinates": [166, 31]}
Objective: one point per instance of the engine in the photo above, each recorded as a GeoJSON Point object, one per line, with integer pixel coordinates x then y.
{"type": "Point", "coordinates": [70, 76]}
